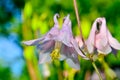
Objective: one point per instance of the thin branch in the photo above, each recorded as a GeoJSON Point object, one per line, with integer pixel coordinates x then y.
{"type": "Point", "coordinates": [79, 26]}
{"type": "Point", "coordinates": [77, 16]}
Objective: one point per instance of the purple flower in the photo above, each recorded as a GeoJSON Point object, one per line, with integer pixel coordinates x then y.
{"type": "Point", "coordinates": [58, 44]}
{"type": "Point", "coordinates": [101, 39]}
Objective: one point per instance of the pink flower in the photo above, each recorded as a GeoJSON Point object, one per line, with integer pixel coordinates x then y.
{"type": "Point", "coordinates": [58, 44]}
{"type": "Point", "coordinates": [79, 41]}
{"type": "Point", "coordinates": [101, 39]}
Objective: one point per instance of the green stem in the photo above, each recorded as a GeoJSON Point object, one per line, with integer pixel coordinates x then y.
{"type": "Point", "coordinates": [96, 69]}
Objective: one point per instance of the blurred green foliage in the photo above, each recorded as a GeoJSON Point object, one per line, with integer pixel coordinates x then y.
{"type": "Point", "coordinates": [30, 19]}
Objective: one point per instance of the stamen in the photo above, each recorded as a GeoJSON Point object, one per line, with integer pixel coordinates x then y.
{"type": "Point", "coordinates": [55, 54]}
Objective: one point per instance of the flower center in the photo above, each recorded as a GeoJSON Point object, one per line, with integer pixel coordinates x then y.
{"type": "Point", "coordinates": [55, 54]}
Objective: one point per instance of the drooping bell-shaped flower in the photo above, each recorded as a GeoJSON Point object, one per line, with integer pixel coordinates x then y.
{"type": "Point", "coordinates": [46, 44]}
{"type": "Point", "coordinates": [58, 44]}
{"type": "Point", "coordinates": [101, 39]}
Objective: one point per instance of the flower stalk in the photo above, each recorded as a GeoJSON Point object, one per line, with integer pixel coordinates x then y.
{"type": "Point", "coordinates": [96, 69]}
{"type": "Point", "coordinates": [79, 26]}
{"type": "Point", "coordinates": [78, 19]}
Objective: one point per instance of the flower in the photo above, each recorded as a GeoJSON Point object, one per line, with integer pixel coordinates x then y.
{"type": "Point", "coordinates": [58, 44]}
{"type": "Point", "coordinates": [101, 39]}
{"type": "Point", "coordinates": [46, 43]}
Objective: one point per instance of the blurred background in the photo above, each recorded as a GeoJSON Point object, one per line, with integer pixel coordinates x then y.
{"type": "Point", "coordinates": [22, 20]}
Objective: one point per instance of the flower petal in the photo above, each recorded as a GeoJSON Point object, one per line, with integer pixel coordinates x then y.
{"type": "Point", "coordinates": [113, 42]}
{"type": "Point", "coordinates": [54, 32]}
{"type": "Point", "coordinates": [46, 46]}
{"type": "Point", "coordinates": [105, 50]}
{"type": "Point", "coordinates": [100, 45]}
{"type": "Point", "coordinates": [45, 50]}
{"type": "Point", "coordinates": [64, 52]}
{"type": "Point", "coordinates": [71, 56]}
{"type": "Point", "coordinates": [32, 42]}
{"type": "Point", "coordinates": [76, 47]}
{"type": "Point", "coordinates": [103, 31]}
{"type": "Point", "coordinates": [44, 57]}
{"type": "Point", "coordinates": [66, 32]}
{"type": "Point", "coordinates": [73, 64]}
{"type": "Point", "coordinates": [79, 41]}
{"type": "Point", "coordinates": [91, 38]}
{"type": "Point", "coordinates": [62, 57]}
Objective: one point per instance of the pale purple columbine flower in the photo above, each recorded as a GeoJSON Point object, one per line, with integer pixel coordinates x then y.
{"type": "Point", "coordinates": [46, 43]}
{"type": "Point", "coordinates": [100, 38]}
{"type": "Point", "coordinates": [58, 44]}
